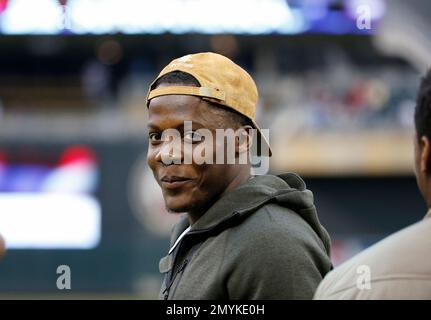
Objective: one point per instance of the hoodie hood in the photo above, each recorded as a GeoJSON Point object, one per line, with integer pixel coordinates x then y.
{"type": "Point", "coordinates": [287, 190]}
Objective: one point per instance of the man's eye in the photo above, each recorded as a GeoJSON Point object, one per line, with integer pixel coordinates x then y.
{"type": "Point", "coordinates": [154, 137]}
{"type": "Point", "coordinates": [192, 137]}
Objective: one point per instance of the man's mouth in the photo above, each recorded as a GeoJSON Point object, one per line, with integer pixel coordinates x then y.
{"type": "Point", "coordinates": [173, 182]}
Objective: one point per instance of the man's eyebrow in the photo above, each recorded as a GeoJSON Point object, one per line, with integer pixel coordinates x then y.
{"type": "Point", "coordinates": [152, 126]}
{"type": "Point", "coordinates": [179, 127]}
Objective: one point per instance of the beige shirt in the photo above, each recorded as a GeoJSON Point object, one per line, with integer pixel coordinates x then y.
{"type": "Point", "coordinates": [398, 267]}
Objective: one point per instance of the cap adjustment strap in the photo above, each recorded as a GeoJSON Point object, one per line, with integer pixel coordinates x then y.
{"type": "Point", "coordinates": [205, 92]}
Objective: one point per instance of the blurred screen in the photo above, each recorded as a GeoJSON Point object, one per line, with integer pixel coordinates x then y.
{"type": "Point", "coordinates": [185, 16]}
{"type": "Point", "coordinates": [47, 199]}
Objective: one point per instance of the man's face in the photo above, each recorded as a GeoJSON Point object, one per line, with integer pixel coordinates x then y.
{"type": "Point", "coordinates": [185, 187]}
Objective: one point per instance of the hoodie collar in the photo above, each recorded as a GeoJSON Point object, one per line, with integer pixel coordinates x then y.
{"type": "Point", "coordinates": [245, 198]}
{"type": "Point", "coordinates": [249, 195]}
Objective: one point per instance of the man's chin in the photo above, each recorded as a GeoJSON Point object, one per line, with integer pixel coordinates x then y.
{"type": "Point", "coordinates": [175, 210]}
{"type": "Point", "coordinates": [176, 207]}
{"type": "Point", "coordinates": [173, 207]}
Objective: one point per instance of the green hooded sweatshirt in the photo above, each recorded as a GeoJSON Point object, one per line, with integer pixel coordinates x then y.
{"type": "Point", "coordinates": [263, 240]}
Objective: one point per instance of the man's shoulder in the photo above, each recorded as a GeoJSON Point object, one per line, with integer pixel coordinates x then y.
{"type": "Point", "coordinates": [275, 243]}
{"type": "Point", "coordinates": [273, 216]}
{"type": "Point", "coordinates": [387, 263]}
{"type": "Point", "coordinates": [272, 224]}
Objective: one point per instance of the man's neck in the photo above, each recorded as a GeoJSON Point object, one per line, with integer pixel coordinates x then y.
{"type": "Point", "coordinates": [239, 179]}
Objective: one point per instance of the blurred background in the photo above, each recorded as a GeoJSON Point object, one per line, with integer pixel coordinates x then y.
{"type": "Point", "coordinates": [337, 82]}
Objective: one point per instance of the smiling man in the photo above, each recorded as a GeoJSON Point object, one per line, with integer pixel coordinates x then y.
{"type": "Point", "coordinates": [241, 236]}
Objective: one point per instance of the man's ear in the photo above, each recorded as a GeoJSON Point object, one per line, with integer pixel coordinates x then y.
{"type": "Point", "coordinates": [244, 139]}
{"type": "Point", "coordinates": [425, 156]}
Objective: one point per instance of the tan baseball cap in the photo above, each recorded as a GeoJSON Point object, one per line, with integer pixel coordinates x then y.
{"type": "Point", "coordinates": [221, 81]}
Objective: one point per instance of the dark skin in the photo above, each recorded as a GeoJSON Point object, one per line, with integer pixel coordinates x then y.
{"type": "Point", "coordinates": [422, 152]}
{"type": "Point", "coordinates": [200, 186]}
{"type": "Point", "coordinates": [2, 246]}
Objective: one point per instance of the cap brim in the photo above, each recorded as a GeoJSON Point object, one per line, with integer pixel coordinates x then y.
{"type": "Point", "coordinates": [263, 148]}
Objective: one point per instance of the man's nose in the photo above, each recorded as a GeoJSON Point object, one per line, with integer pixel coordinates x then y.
{"type": "Point", "coordinates": [170, 152]}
